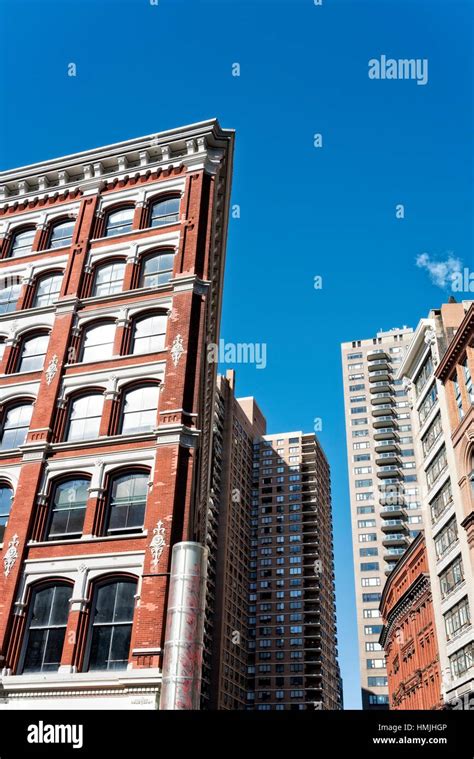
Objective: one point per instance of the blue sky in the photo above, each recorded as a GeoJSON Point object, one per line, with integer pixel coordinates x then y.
{"type": "Point", "coordinates": [305, 211]}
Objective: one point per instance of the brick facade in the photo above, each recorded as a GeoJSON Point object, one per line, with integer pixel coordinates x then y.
{"type": "Point", "coordinates": [193, 167]}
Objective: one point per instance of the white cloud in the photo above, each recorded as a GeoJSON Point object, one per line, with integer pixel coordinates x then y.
{"type": "Point", "coordinates": [442, 273]}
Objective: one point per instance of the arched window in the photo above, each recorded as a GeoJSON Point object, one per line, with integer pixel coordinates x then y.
{"type": "Point", "coordinates": [127, 501]}
{"type": "Point", "coordinates": [98, 342]}
{"type": "Point", "coordinates": [68, 508]}
{"type": "Point", "coordinates": [149, 334]}
{"type": "Point", "coordinates": [2, 347]}
{"type": "Point", "coordinates": [84, 417]}
{"type": "Point", "coordinates": [6, 497]}
{"type": "Point", "coordinates": [9, 297]}
{"type": "Point", "coordinates": [120, 221]}
{"type": "Point", "coordinates": [48, 287]}
{"type": "Point", "coordinates": [108, 278]}
{"type": "Point", "coordinates": [164, 212]}
{"type": "Point", "coordinates": [49, 610]}
{"type": "Point", "coordinates": [33, 352]}
{"type": "Point", "coordinates": [15, 425]}
{"type": "Point", "coordinates": [140, 409]}
{"type": "Point", "coordinates": [22, 241]}
{"type": "Point", "coordinates": [111, 625]}
{"type": "Point", "coordinates": [61, 234]}
{"type": "Point", "coordinates": [156, 269]}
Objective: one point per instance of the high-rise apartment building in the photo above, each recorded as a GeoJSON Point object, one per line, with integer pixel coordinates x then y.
{"type": "Point", "coordinates": [443, 502]}
{"type": "Point", "coordinates": [237, 423]}
{"type": "Point", "coordinates": [292, 615]}
{"type": "Point", "coordinates": [111, 267]}
{"type": "Point", "coordinates": [384, 497]}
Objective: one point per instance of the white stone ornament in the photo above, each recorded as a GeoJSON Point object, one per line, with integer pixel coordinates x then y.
{"type": "Point", "coordinates": [177, 349]}
{"type": "Point", "coordinates": [51, 370]}
{"type": "Point", "coordinates": [11, 555]}
{"type": "Point", "coordinates": [430, 337]}
{"type": "Point", "coordinates": [157, 543]}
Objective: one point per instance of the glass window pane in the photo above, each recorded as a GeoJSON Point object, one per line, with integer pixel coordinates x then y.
{"type": "Point", "coordinates": [157, 269]}
{"type": "Point", "coordinates": [98, 342]}
{"type": "Point", "coordinates": [47, 290]}
{"type": "Point", "coordinates": [164, 212]}
{"type": "Point", "coordinates": [120, 646]}
{"type": "Point", "coordinates": [15, 428]}
{"type": "Point", "coordinates": [61, 234]}
{"type": "Point", "coordinates": [119, 222]}
{"type": "Point", "coordinates": [85, 416]}
{"type": "Point", "coordinates": [23, 241]}
{"type": "Point", "coordinates": [109, 279]}
{"type": "Point", "coordinates": [150, 334]}
{"type": "Point", "coordinates": [100, 646]}
{"type": "Point", "coordinates": [47, 628]}
{"type": "Point", "coordinates": [8, 298]}
{"type": "Point", "coordinates": [140, 407]}
{"type": "Point", "coordinates": [33, 353]}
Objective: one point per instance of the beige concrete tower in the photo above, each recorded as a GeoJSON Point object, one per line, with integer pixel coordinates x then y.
{"type": "Point", "coordinates": [384, 497]}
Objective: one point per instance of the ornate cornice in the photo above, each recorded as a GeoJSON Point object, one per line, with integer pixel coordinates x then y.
{"type": "Point", "coordinates": [457, 345]}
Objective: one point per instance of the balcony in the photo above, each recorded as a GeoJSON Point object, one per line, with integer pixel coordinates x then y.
{"type": "Point", "coordinates": [395, 540]}
{"type": "Point", "coordinates": [384, 410]}
{"type": "Point", "coordinates": [376, 354]}
{"type": "Point", "coordinates": [387, 445]}
{"type": "Point", "coordinates": [388, 471]}
{"type": "Point", "coordinates": [381, 386]}
{"type": "Point", "coordinates": [394, 526]}
{"type": "Point", "coordinates": [393, 554]}
{"type": "Point", "coordinates": [379, 398]}
{"type": "Point", "coordinates": [392, 512]}
{"type": "Point", "coordinates": [379, 375]}
{"type": "Point", "coordinates": [383, 421]}
{"type": "Point", "coordinates": [386, 434]}
{"type": "Point", "coordinates": [390, 457]}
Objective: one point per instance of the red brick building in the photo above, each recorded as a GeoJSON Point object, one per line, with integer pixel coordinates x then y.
{"type": "Point", "coordinates": [408, 635]}
{"type": "Point", "coordinates": [111, 266]}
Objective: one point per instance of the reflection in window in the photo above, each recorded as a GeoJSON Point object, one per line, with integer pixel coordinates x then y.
{"type": "Point", "coordinates": [47, 629]}
{"type": "Point", "coordinates": [127, 502]}
{"type": "Point", "coordinates": [157, 269]}
{"type": "Point", "coordinates": [149, 334]}
{"type": "Point", "coordinates": [84, 418]}
{"type": "Point", "coordinates": [47, 290]}
{"type": "Point", "coordinates": [108, 279]}
{"type": "Point", "coordinates": [111, 625]}
{"type": "Point", "coordinates": [61, 234]}
{"type": "Point", "coordinates": [68, 508]}
{"type": "Point", "coordinates": [98, 343]}
{"type": "Point", "coordinates": [119, 222]}
{"type": "Point", "coordinates": [33, 353]}
{"type": "Point", "coordinates": [140, 409]}
{"type": "Point", "coordinates": [164, 212]}
{"type": "Point", "coordinates": [22, 242]}
{"type": "Point", "coordinates": [16, 425]}
{"type": "Point", "coordinates": [6, 496]}
{"type": "Point", "coordinates": [9, 297]}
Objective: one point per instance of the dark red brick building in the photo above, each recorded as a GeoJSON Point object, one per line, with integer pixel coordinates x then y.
{"type": "Point", "coordinates": [111, 267]}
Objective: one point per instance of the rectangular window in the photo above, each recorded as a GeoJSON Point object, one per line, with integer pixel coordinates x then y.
{"type": "Point", "coordinates": [462, 660]}
{"type": "Point", "coordinates": [370, 582]}
{"type": "Point", "coordinates": [457, 618]}
{"type": "Point", "coordinates": [437, 467]}
{"type": "Point", "coordinates": [428, 403]}
{"type": "Point", "coordinates": [451, 577]}
{"type": "Point", "coordinates": [423, 375]}
{"type": "Point", "coordinates": [446, 538]}
{"type": "Point", "coordinates": [432, 434]}
{"type": "Point", "coordinates": [369, 566]}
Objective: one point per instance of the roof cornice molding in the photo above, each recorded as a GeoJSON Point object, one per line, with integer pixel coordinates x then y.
{"type": "Point", "coordinates": [457, 345]}
{"type": "Point", "coordinates": [197, 146]}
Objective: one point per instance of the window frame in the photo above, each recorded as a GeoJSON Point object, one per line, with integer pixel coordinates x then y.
{"type": "Point", "coordinates": [161, 200]}
{"type": "Point", "coordinates": [56, 273]}
{"type": "Point", "coordinates": [117, 209]}
{"type": "Point", "coordinates": [90, 392]}
{"type": "Point", "coordinates": [19, 403]}
{"type": "Point", "coordinates": [56, 224]}
{"type": "Point", "coordinates": [34, 590]}
{"type": "Point", "coordinates": [100, 583]}
{"type": "Point", "coordinates": [18, 231]}
{"type": "Point", "coordinates": [55, 485]}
